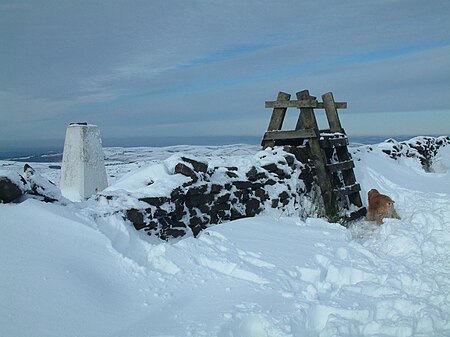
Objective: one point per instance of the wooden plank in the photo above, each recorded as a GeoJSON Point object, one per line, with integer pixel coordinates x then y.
{"type": "Point", "coordinates": [355, 188]}
{"type": "Point", "coordinates": [277, 118]}
{"type": "Point", "coordinates": [318, 157]}
{"type": "Point", "coordinates": [295, 134]}
{"type": "Point", "coordinates": [343, 166]}
{"type": "Point", "coordinates": [302, 104]}
{"type": "Point", "coordinates": [362, 211]}
{"type": "Point", "coordinates": [331, 112]}
{"type": "Point", "coordinates": [333, 142]}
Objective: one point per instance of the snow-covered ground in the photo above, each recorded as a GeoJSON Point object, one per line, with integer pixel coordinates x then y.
{"type": "Point", "coordinates": [65, 271]}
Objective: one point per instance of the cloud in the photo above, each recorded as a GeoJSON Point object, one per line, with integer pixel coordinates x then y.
{"type": "Point", "coordinates": [149, 66]}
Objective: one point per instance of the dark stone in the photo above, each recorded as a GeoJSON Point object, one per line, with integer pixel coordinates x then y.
{"type": "Point", "coordinates": [155, 201]}
{"type": "Point", "coordinates": [152, 225]}
{"type": "Point", "coordinates": [231, 168]}
{"type": "Point", "coordinates": [177, 194]}
{"type": "Point", "coordinates": [178, 213]}
{"type": "Point", "coordinates": [275, 203]}
{"type": "Point", "coordinates": [270, 182]}
{"type": "Point", "coordinates": [198, 199]}
{"type": "Point", "coordinates": [197, 190]}
{"type": "Point", "coordinates": [271, 167]}
{"type": "Point", "coordinates": [195, 221]}
{"type": "Point", "coordinates": [242, 195]}
{"type": "Point", "coordinates": [159, 213]}
{"type": "Point", "coordinates": [9, 191]}
{"type": "Point", "coordinates": [190, 182]}
{"type": "Point", "coordinates": [252, 207]}
{"type": "Point", "coordinates": [223, 198]}
{"type": "Point", "coordinates": [216, 188]}
{"type": "Point", "coordinates": [168, 233]}
{"type": "Point", "coordinates": [197, 165]}
{"type": "Point", "coordinates": [256, 186]}
{"type": "Point", "coordinates": [196, 230]}
{"type": "Point", "coordinates": [235, 214]}
{"type": "Point", "coordinates": [290, 160]}
{"type": "Point", "coordinates": [136, 218]}
{"type": "Point", "coordinates": [214, 217]}
{"type": "Point", "coordinates": [241, 185]}
{"type": "Point", "coordinates": [261, 194]}
{"type": "Point", "coordinates": [204, 208]}
{"type": "Point", "coordinates": [186, 171]}
{"type": "Point", "coordinates": [219, 207]}
{"type": "Point", "coordinates": [284, 197]}
{"type": "Point", "coordinates": [231, 174]}
{"type": "Point", "coordinates": [251, 175]}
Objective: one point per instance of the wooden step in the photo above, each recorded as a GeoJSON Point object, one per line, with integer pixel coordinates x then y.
{"type": "Point", "coordinates": [347, 190]}
{"type": "Point", "coordinates": [342, 166]}
{"type": "Point", "coordinates": [359, 213]}
{"type": "Point", "coordinates": [333, 142]}
{"type": "Point", "coordinates": [295, 134]}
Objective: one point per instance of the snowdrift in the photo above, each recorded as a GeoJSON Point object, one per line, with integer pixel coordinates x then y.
{"type": "Point", "coordinates": [67, 270]}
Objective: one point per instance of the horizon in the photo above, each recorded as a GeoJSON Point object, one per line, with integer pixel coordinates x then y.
{"type": "Point", "coordinates": [55, 146]}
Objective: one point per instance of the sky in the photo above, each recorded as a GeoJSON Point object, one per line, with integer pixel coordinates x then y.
{"type": "Point", "coordinates": [175, 68]}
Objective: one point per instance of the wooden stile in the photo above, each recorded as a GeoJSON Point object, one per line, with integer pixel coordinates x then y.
{"type": "Point", "coordinates": [336, 179]}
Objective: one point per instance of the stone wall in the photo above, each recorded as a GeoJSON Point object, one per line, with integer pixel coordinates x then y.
{"type": "Point", "coordinates": [214, 195]}
{"type": "Point", "coordinates": [422, 148]}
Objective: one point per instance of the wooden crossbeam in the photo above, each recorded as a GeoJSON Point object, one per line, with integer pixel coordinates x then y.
{"type": "Point", "coordinates": [303, 104]}
{"type": "Point", "coordinates": [336, 167]}
{"type": "Point", "coordinates": [355, 188]}
{"type": "Point", "coordinates": [333, 142]}
{"type": "Point", "coordinates": [295, 134]}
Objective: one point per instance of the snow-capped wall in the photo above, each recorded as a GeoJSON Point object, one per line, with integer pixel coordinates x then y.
{"type": "Point", "coordinates": [422, 148]}
{"type": "Point", "coordinates": [83, 169]}
{"type": "Point", "coordinates": [206, 194]}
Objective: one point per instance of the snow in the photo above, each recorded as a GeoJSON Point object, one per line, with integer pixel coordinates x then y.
{"type": "Point", "coordinates": [66, 271]}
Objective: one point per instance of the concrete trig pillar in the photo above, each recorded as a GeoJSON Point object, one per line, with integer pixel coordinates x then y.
{"type": "Point", "coordinates": [83, 170]}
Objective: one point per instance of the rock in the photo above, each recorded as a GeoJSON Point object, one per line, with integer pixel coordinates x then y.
{"type": "Point", "coordinates": [216, 188]}
{"type": "Point", "coordinates": [231, 174]}
{"type": "Point", "coordinates": [223, 198]}
{"type": "Point", "coordinates": [252, 207]}
{"type": "Point", "coordinates": [271, 167]}
{"type": "Point", "coordinates": [186, 171]}
{"type": "Point", "coordinates": [261, 194]}
{"type": "Point", "coordinates": [242, 185]}
{"type": "Point", "coordinates": [290, 160]}
{"type": "Point", "coordinates": [284, 198]}
{"type": "Point", "coordinates": [236, 214]}
{"type": "Point", "coordinates": [136, 218]}
{"type": "Point", "coordinates": [197, 190]}
{"type": "Point", "coordinates": [252, 174]}
{"type": "Point", "coordinates": [155, 201]}
{"type": "Point", "coordinates": [41, 187]}
{"type": "Point", "coordinates": [10, 190]}
{"type": "Point", "coordinates": [197, 165]}
{"type": "Point", "coordinates": [198, 199]}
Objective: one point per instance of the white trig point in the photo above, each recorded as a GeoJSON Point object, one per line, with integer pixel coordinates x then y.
{"type": "Point", "coordinates": [83, 170]}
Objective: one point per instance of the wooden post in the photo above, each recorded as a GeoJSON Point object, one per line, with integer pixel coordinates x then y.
{"type": "Point", "coordinates": [341, 151]}
{"type": "Point", "coordinates": [332, 115]}
{"type": "Point", "coordinates": [277, 118]}
{"type": "Point", "coordinates": [318, 157]}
